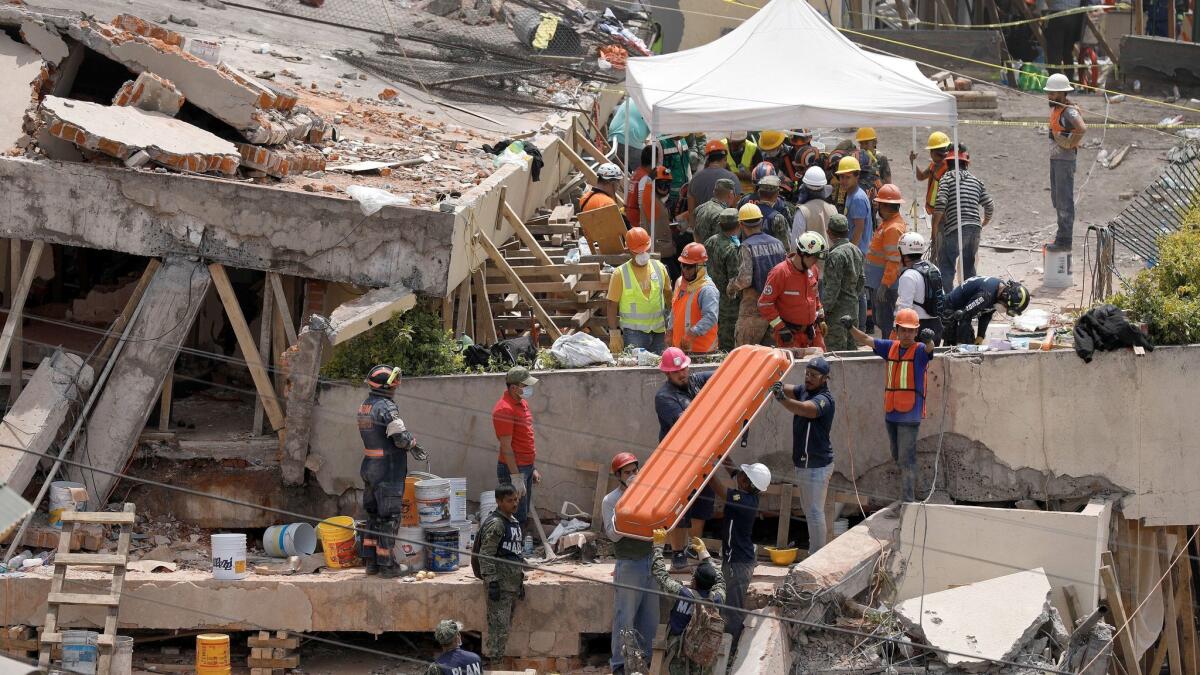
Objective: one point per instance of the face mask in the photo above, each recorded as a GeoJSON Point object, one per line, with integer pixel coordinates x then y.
{"type": "Point", "coordinates": [737, 240]}
{"type": "Point", "coordinates": [642, 259]}
{"type": "Point", "coordinates": [526, 392]}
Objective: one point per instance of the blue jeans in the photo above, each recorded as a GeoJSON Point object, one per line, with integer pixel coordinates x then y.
{"type": "Point", "coordinates": [948, 255]}
{"type": "Point", "coordinates": [903, 439]}
{"type": "Point", "coordinates": [526, 471]}
{"type": "Point", "coordinates": [813, 485]}
{"type": "Point", "coordinates": [634, 609]}
{"type": "Point", "coordinates": [651, 342]}
{"type": "Point", "coordinates": [1062, 197]}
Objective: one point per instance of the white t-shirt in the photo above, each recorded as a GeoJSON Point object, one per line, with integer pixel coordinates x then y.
{"type": "Point", "coordinates": [910, 287]}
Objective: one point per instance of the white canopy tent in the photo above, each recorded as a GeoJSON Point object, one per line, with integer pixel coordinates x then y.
{"type": "Point", "coordinates": [785, 67]}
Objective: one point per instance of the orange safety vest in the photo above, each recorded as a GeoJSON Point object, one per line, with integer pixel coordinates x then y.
{"type": "Point", "coordinates": [900, 394]}
{"type": "Point", "coordinates": [685, 313]}
{"type": "Point", "coordinates": [1056, 125]}
{"type": "Point", "coordinates": [931, 189]}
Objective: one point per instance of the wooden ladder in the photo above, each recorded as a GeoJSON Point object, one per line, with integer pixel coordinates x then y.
{"type": "Point", "coordinates": [63, 559]}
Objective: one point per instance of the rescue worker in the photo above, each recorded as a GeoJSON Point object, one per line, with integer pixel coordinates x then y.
{"type": "Point", "coordinates": [737, 546]}
{"type": "Point", "coordinates": [703, 185]}
{"type": "Point", "coordinates": [801, 156]}
{"type": "Point", "coordinates": [877, 166]}
{"type": "Point", "coordinates": [670, 402]}
{"type": "Point", "coordinates": [513, 423]}
{"type": "Point", "coordinates": [842, 282]}
{"type": "Point", "coordinates": [770, 144]}
{"type": "Point", "coordinates": [775, 211]}
{"type": "Point", "coordinates": [500, 567]}
{"type": "Point", "coordinates": [386, 444]}
{"type": "Point", "coordinates": [758, 254]}
{"type": "Point", "coordinates": [708, 214]}
{"type": "Point", "coordinates": [938, 146]}
{"type": "Point", "coordinates": [693, 322]}
{"type": "Point", "coordinates": [654, 201]}
{"type": "Point", "coordinates": [904, 389]}
{"type": "Point", "coordinates": [920, 285]}
{"type": "Point", "coordinates": [790, 301]}
{"type": "Point", "coordinates": [883, 257]}
{"type": "Point", "coordinates": [812, 408]}
{"type": "Point", "coordinates": [632, 609]}
{"type": "Point", "coordinates": [633, 201]}
{"type": "Point", "coordinates": [608, 181]}
{"type": "Point", "coordinates": [454, 660]}
{"type": "Point", "coordinates": [958, 183]}
{"type": "Point", "coordinates": [833, 160]}
{"type": "Point", "coordinates": [980, 298]}
{"type": "Point", "coordinates": [676, 155]}
{"type": "Point", "coordinates": [814, 210]}
{"type": "Point", "coordinates": [1067, 129]}
{"type": "Point", "coordinates": [742, 158]}
{"type": "Point", "coordinates": [707, 584]}
{"type": "Point", "coordinates": [723, 261]}
{"type": "Point", "coordinates": [639, 297]}
{"type": "Point", "coordinates": [862, 224]}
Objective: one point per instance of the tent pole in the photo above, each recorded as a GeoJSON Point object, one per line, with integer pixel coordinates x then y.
{"type": "Point", "coordinates": [958, 207]}
{"type": "Point", "coordinates": [628, 173]}
{"type": "Point", "coordinates": [653, 172]}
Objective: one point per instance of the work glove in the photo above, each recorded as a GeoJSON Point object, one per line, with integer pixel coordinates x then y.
{"type": "Point", "coordinates": [418, 453]}
{"type": "Point", "coordinates": [846, 322]}
{"type": "Point", "coordinates": [777, 391]}
{"type": "Point", "coordinates": [494, 593]}
{"type": "Point", "coordinates": [824, 328]}
{"type": "Point", "coordinates": [659, 538]}
{"type": "Point", "coordinates": [785, 335]}
{"type": "Point", "coordinates": [697, 545]}
{"type": "Point", "coordinates": [912, 156]}
{"type": "Point", "coordinates": [926, 335]}
{"type": "Point", "coordinates": [616, 342]}
{"type": "Point", "coordinates": [518, 481]}
{"type": "Point", "coordinates": [979, 340]}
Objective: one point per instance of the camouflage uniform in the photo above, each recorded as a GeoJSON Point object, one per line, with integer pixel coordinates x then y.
{"type": "Point", "coordinates": [677, 663]}
{"type": "Point", "coordinates": [500, 537]}
{"type": "Point", "coordinates": [722, 268]}
{"type": "Point", "coordinates": [842, 284]}
{"type": "Point", "coordinates": [708, 220]}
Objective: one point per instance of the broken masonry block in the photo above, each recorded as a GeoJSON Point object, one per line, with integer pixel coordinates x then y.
{"type": "Point", "coordinates": [145, 28]}
{"type": "Point", "coordinates": [151, 93]}
{"type": "Point", "coordinates": [45, 40]}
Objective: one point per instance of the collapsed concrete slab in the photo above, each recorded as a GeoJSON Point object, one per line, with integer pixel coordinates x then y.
{"type": "Point", "coordinates": [988, 620]}
{"type": "Point", "coordinates": [22, 73]}
{"type": "Point", "coordinates": [35, 420]}
{"type": "Point", "coordinates": [764, 646]}
{"type": "Point", "coordinates": [45, 40]}
{"type": "Point", "coordinates": [150, 93]}
{"type": "Point", "coordinates": [369, 310]}
{"type": "Point", "coordinates": [121, 131]}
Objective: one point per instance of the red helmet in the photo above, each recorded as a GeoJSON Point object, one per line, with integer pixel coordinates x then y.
{"type": "Point", "coordinates": [960, 156]}
{"type": "Point", "coordinates": [693, 254]}
{"type": "Point", "coordinates": [381, 377]}
{"type": "Point", "coordinates": [662, 173]}
{"type": "Point", "coordinates": [622, 460]}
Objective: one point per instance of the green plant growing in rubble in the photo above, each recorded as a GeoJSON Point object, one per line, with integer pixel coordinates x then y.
{"type": "Point", "coordinates": [415, 341]}
{"type": "Point", "coordinates": [1167, 296]}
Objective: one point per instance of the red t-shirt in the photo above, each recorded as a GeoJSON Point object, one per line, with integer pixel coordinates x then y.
{"type": "Point", "coordinates": [511, 417]}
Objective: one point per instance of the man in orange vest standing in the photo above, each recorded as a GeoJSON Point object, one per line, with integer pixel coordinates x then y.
{"type": "Point", "coordinates": [938, 146]}
{"type": "Point", "coordinates": [1066, 133]}
{"type": "Point", "coordinates": [790, 301]}
{"type": "Point", "coordinates": [903, 389]}
{"type": "Point", "coordinates": [693, 322]}
{"type": "Point", "coordinates": [883, 257]}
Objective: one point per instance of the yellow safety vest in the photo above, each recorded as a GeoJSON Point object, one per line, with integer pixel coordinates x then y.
{"type": "Point", "coordinates": [747, 156]}
{"type": "Point", "coordinates": [639, 312]}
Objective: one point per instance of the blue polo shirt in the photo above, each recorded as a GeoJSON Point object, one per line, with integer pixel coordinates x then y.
{"type": "Point", "coordinates": [920, 363]}
{"type": "Point", "coordinates": [741, 508]}
{"type": "Point", "coordinates": [811, 447]}
{"type": "Point", "coordinates": [858, 206]}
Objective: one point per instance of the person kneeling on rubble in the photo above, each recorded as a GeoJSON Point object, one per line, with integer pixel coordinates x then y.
{"type": "Point", "coordinates": [693, 630]}
{"type": "Point", "coordinates": [501, 567]}
{"type": "Point", "coordinates": [386, 444]}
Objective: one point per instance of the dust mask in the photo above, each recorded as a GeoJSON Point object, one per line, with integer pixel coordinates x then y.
{"type": "Point", "coordinates": [642, 259]}
{"type": "Point", "coordinates": [526, 392]}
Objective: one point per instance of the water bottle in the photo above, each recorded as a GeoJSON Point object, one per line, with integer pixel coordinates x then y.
{"type": "Point", "coordinates": [584, 249]}
{"type": "Point", "coordinates": [529, 544]}
{"type": "Point", "coordinates": [572, 256]}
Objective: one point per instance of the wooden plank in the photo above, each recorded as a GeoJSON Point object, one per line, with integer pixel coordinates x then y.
{"type": "Point", "coordinates": [555, 228]}
{"type": "Point", "coordinates": [547, 286]}
{"type": "Point", "coordinates": [599, 492]}
{"type": "Point", "coordinates": [103, 517]}
{"type": "Point", "coordinates": [524, 234]}
{"type": "Point", "coordinates": [463, 321]}
{"type": "Point", "coordinates": [118, 325]}
{"type": "Point", "coordinates": [485, 325]}
{"type": "Point", "coordinates": [526, 294]}
{"type": "Point", "coordinates": [262, 382]}
{"type": "Point", "coordinates": [551, 270]}
{"type": "Point", "coordinates": [1186, 607]}
{"type": "Point", "coordinates": [265, 319]}
{"type": "Point", "coordinates": [281, 307]}
{"type": "Point", "coordinates": [108, 637]}
{"type": "Point", "coordinates": [1119, 619]}
{"type": "Point", "coordinates": [604, 229]}
{"type": "Point", "coordinates": [91, 599]}
{"type": "Point", "coordinates": [108, 559]}
{"type": "Point", "coordinates": [1103, 41]}
{"type": "Point", "coordinates": [16, 308]}
{"type": "Point", "coordinates": [284, 643]}
{"type": "Point", "coordinates": [448, 313]}
{"type": "Point", "coordinates": [511, 300]}
{"type": "Point", "coordinates": [164, 401]}
{"type": "Point", "coordinates": [563, 214]}
{"type": "Point", "coordinates": [588, 174]}
{"type": "Point", "coordinates": [1171, 617]}
{"type": "Point", "coordinates": [289, 662]}
{"type": "Point", "coordinates": [782, 533]}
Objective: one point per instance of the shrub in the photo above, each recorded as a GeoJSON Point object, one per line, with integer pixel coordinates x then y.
{"type": "Point", "coordinates": [415, 341]}
{"type": "Point", "coordinates": [1167, 296]}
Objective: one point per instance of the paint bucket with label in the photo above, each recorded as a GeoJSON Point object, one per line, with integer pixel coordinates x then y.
{"type": "Point", "coordinates": [229, 556]}
{"type": "Point", "coordinates": [466, 540]}
{"type": "Point", "coordinates": [337, 541]}
{"type": "Point", "coordinates": [433, 501]}
{"type": "Point", "coordinates": [212, 654]}
{"type": "Point", "coordinates": [443, 551]}
{"type": "Point", "coordinates": [122, 658]}
{"type": "Point", "coordinates": [79, 651]}
{"type": "Point", "coordinates": [487, 504]}
{"type": "Point", "coordinates": [458, 499]}
{"type": "Point", "coordinates": [408, 508]}
{"type": "Point", "coordinates": [1058, 268]}
{"type": "Point", "coordinates": [409, 548]}
{"type": "Point", "coordinates": [281, 541]}
{"type": "Point", "coordinates": [66, 496]}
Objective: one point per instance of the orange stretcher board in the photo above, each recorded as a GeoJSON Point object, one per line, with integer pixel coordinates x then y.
{"type": "Point", "coordinates": [672, 478]}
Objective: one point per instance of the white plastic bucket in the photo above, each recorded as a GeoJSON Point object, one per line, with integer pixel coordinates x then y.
{"type": "Point", "coordinates": [487, 504]}
{"type": "Point", "coordinates": [840, 526]}
{"type": "Point", "coordinates": [458, 499]}
{"type": "Point", "coordinates": [229, 556]}
{"type": "Point", "coordinates": [122, 658]}
{"type": "Point", "coordinates": [1058, 268]}
{"type": "Point", "coordinates": [409, 548]}
{"type": "Point", "coordinates": [433, 501]}
{"type": "Point", "coordinates": [63, 497]}
{"type": "Point", "coordinates": [466, 539]}
{"type": "Point", "coordinates": [79, 651]}
{"type": "Point", "coordinates": [281, 541]}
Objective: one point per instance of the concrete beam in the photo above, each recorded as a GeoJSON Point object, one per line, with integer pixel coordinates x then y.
{"type": "Point", "coordinates": [368, 310]}
{"type": "Point", "coordinates": [980, 45]}
{"type": "Point", "coordinates": [764, 646]}
{"type": "Point", "coordinates": [304, 366]}
{"type": "Point", "coordinates": [150, 93]}
{"type": "Point", "coordinates": [234, 223]}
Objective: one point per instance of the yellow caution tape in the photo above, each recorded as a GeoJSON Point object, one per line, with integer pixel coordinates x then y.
{"type": "Point", "coordinates": [1097, 125]}
{"type": "Point", "coordinates": [1009, 24]}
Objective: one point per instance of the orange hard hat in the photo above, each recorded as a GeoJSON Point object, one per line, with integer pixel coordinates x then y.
{"type": "Point", "coordinates": [889, 194]}
{"type": "Point", "coordinates": [622, 460]}
{"type": "Point", "coordinates": [693, 254]}
{"type": "Point", "coordinates": [715, 145]}
{"type": "Point", "coordinates": [637, 240]}
{"type": "Point", "coordinates": [908, 318]}
{"type": "Point", "coordinates": [662, 173]}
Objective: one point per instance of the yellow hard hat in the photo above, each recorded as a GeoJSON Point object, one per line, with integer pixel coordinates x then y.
{"type": "Point", "coordinates": [865, 134]}
{"type": "Point", "coordinates": [848, 164]}
{"type": "Point", "coordinates": [749, 212]}
{"type": "Point", "coordinates": [937, 141]}
{"type": "Point", "coordinates": [769, 140]}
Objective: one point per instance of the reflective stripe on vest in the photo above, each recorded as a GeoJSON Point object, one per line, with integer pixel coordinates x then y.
{"type": "Point", "coordinates": [748, 150]}
{"type": "Point", "coordinates": [900, 393]}
{"type": "Point", "coordinates": [685, 308]}
{"type": "Point", "coordinates": [931, 189]}
{"type": "Point", "coordinates": [638, 311]}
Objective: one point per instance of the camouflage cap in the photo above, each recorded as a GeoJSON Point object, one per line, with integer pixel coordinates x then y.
{"type": "Point", "coordinates": [729, 215]}
{"type": "Point", "coordinates": [724, 184]}
{"type": "Point", "coordinates": [446, 631]}
{"type": "Point", "coordinates": [838, 224]}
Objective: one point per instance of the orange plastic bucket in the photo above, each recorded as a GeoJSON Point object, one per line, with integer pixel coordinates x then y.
{"type": "Point", "coordinates": [212, 654]}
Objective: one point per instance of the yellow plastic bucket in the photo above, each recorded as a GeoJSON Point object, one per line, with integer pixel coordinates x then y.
{"type": "Point", "coordinates": [212, 654]}
{"type": "Point", "coordinates": [337, 541]}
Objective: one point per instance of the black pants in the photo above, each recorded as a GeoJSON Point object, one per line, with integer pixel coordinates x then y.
{"type": "Point", "coordinates": [383, 500]}
{"type": "Point", "coordinates": [1061, 35]}
{"type": "Point", "coordinates": [958, 332]}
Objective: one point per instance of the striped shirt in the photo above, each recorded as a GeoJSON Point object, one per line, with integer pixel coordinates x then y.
{"type": "Point", "coordinates": [974, 196]}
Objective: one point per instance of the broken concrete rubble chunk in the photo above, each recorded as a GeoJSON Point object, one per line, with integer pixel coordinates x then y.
{"type": "Point", "coordinates": [22, 77]}
{"type": "Point", "coordinates": [280, 162]}
{"type": "Point", "coordinates": [151, 93]}
{"type": "Point", "coordinates": [140, 26]}
{"type": "Point", "coordinates": [990, 620]}
{"type": "Point", "coordinates": [45, 40]}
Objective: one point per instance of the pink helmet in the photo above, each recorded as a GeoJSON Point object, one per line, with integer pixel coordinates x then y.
{"type": "Point", "coordinates": [673, 359]}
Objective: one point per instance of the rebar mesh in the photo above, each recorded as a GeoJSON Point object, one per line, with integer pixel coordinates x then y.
{"type": "Point", "coordinates": [1161, 207]}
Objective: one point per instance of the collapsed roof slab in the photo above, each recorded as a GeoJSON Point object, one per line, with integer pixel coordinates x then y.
{"type": "Point", "coordinates": [21, 74]}
{"type": "Point", "coordinates": [234, 223]}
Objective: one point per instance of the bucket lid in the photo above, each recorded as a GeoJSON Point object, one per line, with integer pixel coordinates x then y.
{"type": "Point", "coordinates": [433, 483]}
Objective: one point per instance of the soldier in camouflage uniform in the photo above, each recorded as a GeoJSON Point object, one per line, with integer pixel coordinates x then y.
{"type": "Point", "coordinates": [842, 283]}
{"type": "Point", "coordinates": [500, 538]}
{"type": "Point", "coordinates": [723, 263]}
{"type": "Point", "coordinates": [708, 214]}
{"type": "Point", "coordinates": [707, 584]}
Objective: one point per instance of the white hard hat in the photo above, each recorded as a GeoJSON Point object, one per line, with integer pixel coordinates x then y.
{"type": "Point", "coordinates": [759, 475]}
{"type": "Point", "coordinates": [814, 178]}
{"type": "Point", "coordinates": [811, 243]}
{"type": "Point", "coordinates": [1058, 82]}
{"type": "Point", "coordinates": [608, 171]}
{"type": "Point", "coordinates": [912, 243]}
{"type": "Point", "coordinates": [737, 135]}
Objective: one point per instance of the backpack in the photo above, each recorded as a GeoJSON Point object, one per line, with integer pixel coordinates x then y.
{"type": "Point", "coordinates": [934, 303]}
{"type": "Point", "coordinates": [702, 637]}
{"type": "Point", "coordinates": [476, 545]}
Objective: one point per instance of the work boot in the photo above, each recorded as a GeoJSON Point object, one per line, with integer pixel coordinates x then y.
{"type": "Point", "coordinates": [679, 561]}
{"type": "Point", "coordinates": [389, 571]}
{"type": "Point", "coordinates": [372, 568]}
